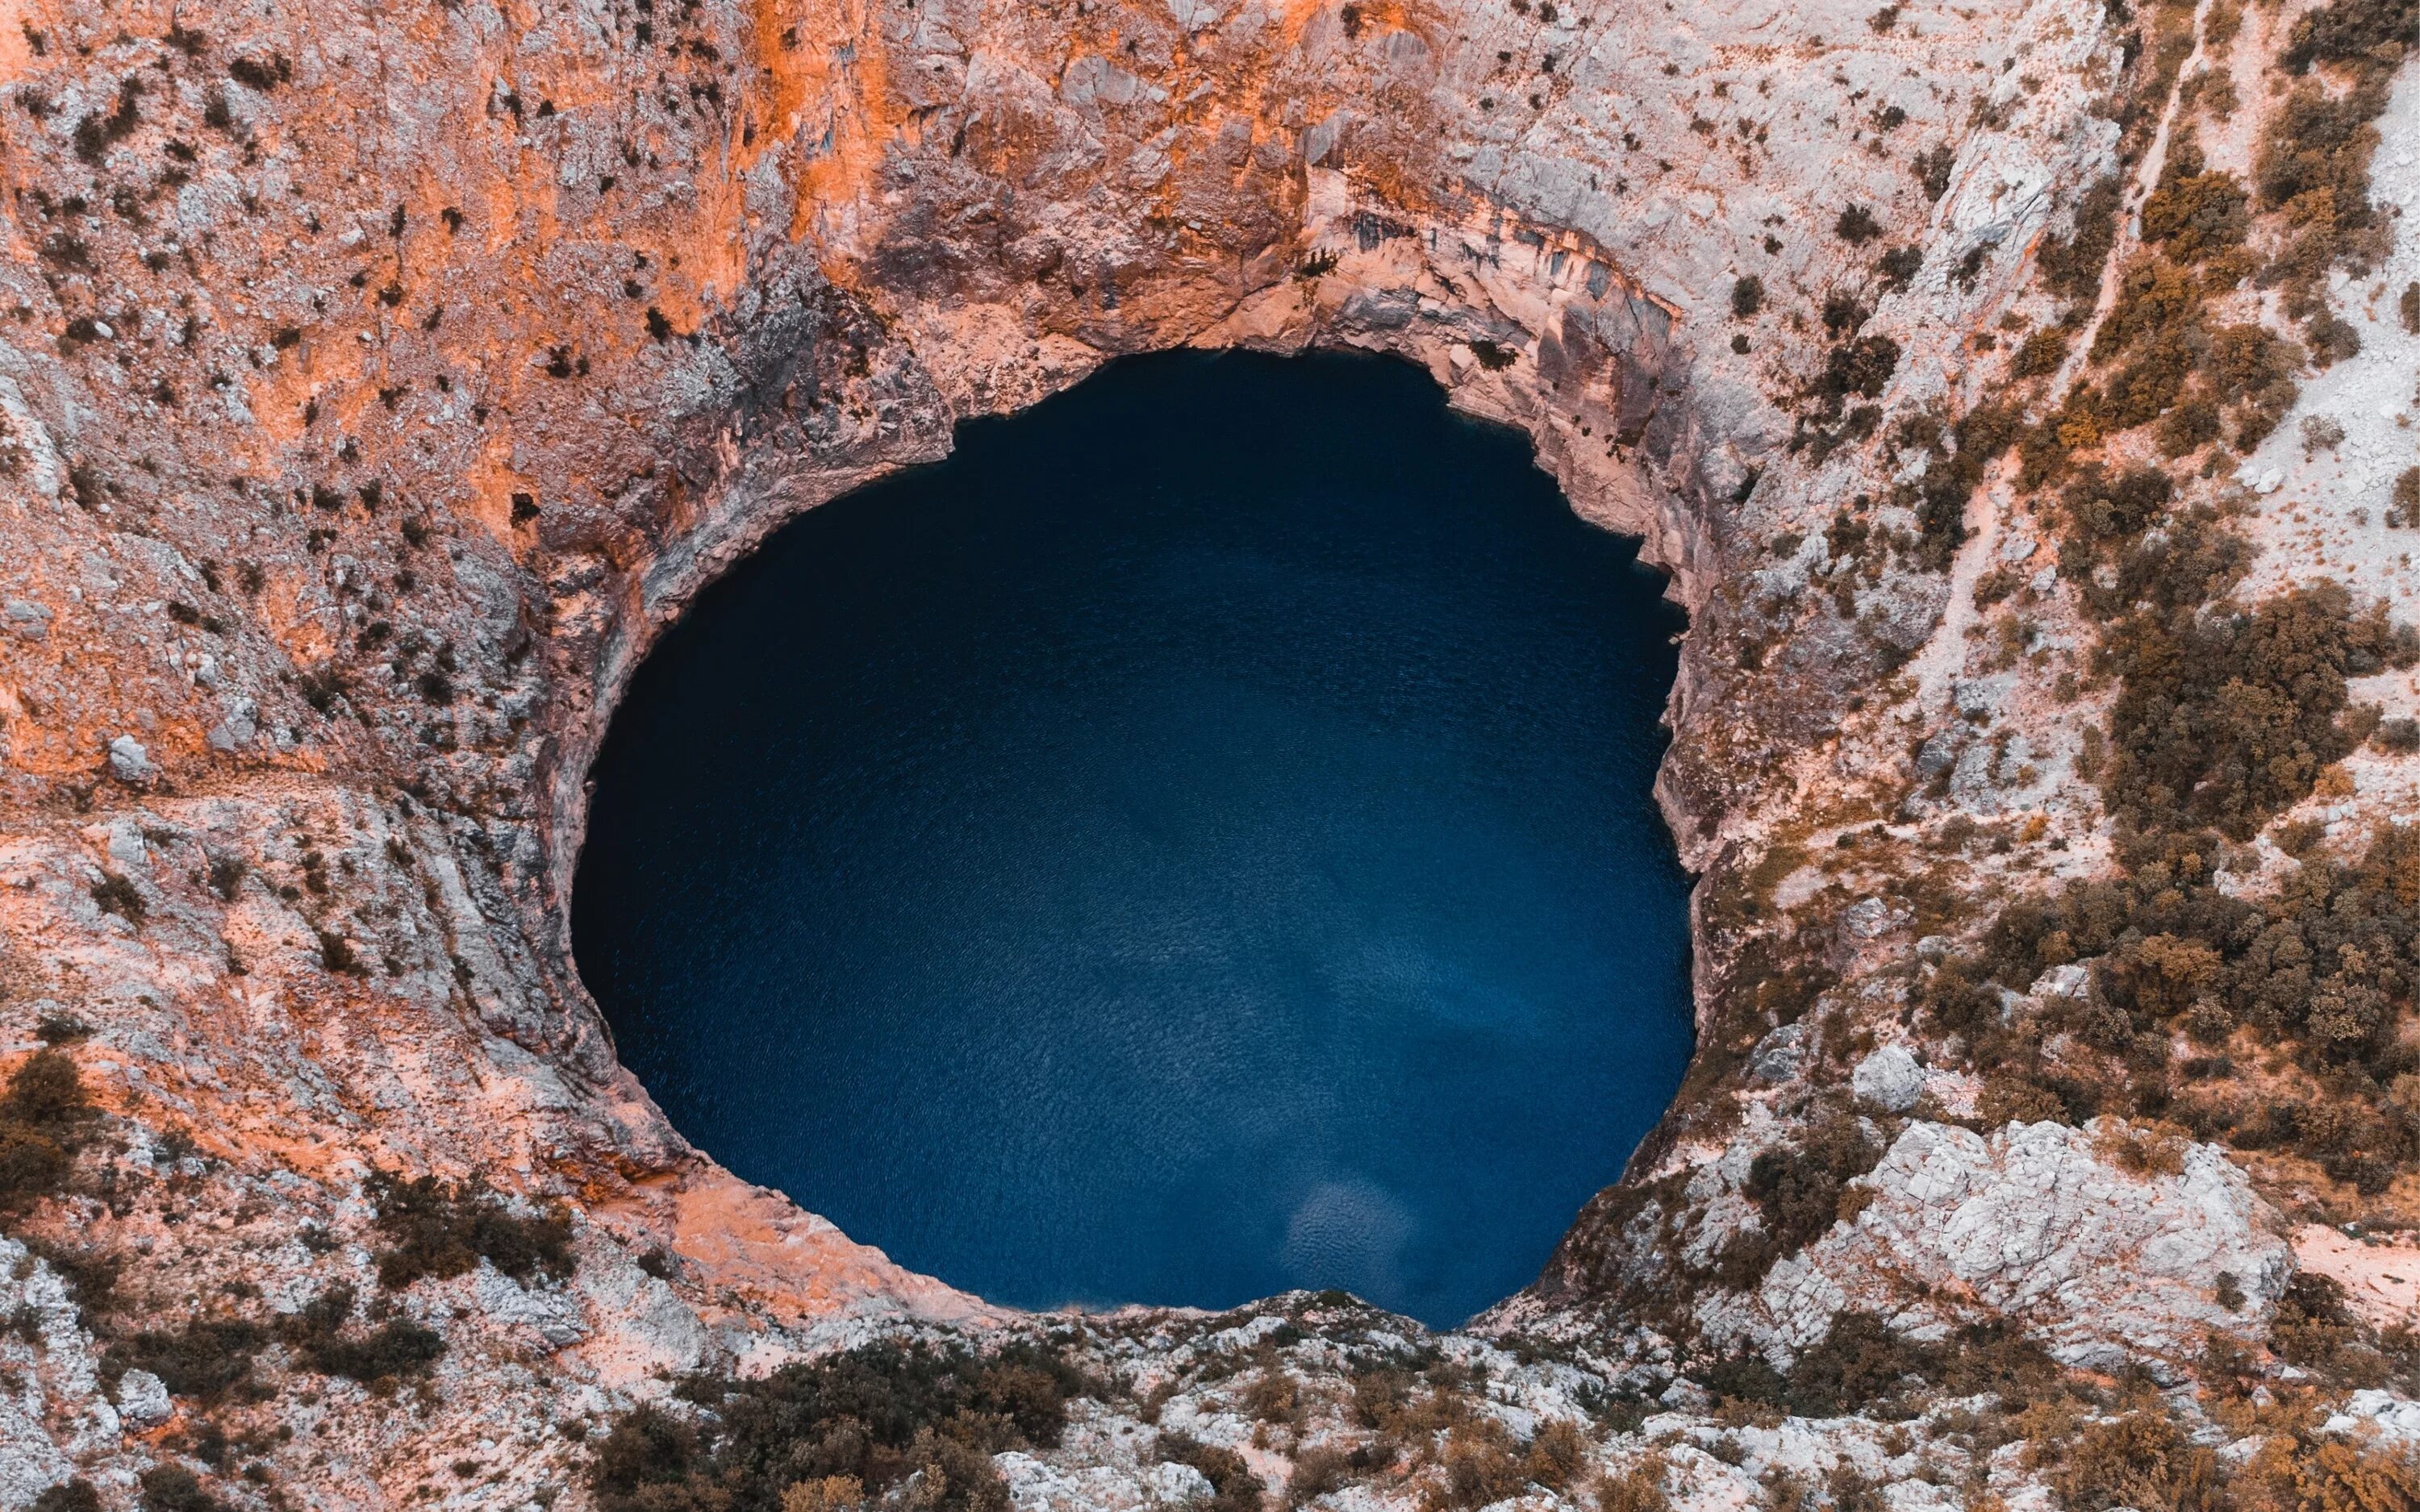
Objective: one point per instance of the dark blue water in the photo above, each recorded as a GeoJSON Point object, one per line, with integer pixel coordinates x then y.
{"type": "Point", "coordinates": [1194, 842]}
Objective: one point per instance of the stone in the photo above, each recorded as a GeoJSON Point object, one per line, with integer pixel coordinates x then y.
{"type": "Point", "coordinates": [1779, 1054]}
{"type": "Point", "coordinates": [2070, 982]}
{"type": "Point", "coordinates": [130, 763]}
{"type": "Point", "coordinates": [1889, 1079]}
{"type": "Point", "coordinates": [238, 730]}
{"type": "Point", "coordinates": [1939, 752]}
{"type": "Point", "coordinates": [143, 1400]}
{"type": "Point", "coordinates": [28, 619]}
{"type": "Point", "coordinates": [2394, 1418]}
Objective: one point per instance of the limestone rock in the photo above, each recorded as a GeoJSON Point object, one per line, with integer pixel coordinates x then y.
{"type": "Point", "coordinates": [130, 763]}
{"type": "Point", "coordinates": [143, 1400]}
{"type": "Point", "coordinates": [1889, 1079]}
{"type": "Point", "coordinates": [1779, 1054]}
{"type": "Point", "coordinates": [2035, 1224]}
{"type": "Point", "coordinates": [2382, 1412]}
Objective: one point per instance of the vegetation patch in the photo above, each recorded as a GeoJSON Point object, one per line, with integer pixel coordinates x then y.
{"type": "Point", "coordinates": [852, 1427]}
{"type": "Point", "coordinates": [45, 1116]}
{"type": "Point", "coordinates": [442, 1229]}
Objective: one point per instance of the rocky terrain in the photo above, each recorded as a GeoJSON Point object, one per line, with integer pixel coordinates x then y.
{"type": "Point", "coordinates": [2019, 392]}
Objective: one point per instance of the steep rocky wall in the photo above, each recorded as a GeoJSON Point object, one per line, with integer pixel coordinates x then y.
{"type": "Point", "coordinates": [379, 381]}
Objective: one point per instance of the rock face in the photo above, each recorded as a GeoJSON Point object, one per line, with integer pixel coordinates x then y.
{"type": "Point", "coordinates": [378, 382]}
{"type": "Point", "coordinates": [2036, 1223]}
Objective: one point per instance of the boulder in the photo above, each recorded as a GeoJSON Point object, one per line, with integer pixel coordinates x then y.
{"type": "Point", "coordinates": [143, 1400]}
{"type": "Point", "coordinates": [130, 763]}
{"type": "Point", "coordinates": [1889, 1079]}
{"type": "Point", "coordinates": [2036, 1223]}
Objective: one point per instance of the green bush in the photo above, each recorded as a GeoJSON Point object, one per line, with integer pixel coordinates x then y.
{"type": "Point", "coordinates": [1858, 1364]}
{"type": "Point", "coordinates": [1797, 1190]}
{"type": "Point", "coordinates": [2040, 355]}
{"type": "Point", "coordinates": [2319, 969]}
{"type": "Point", "coordinates": [2140, 1461]}
{"type": "Point", "coordinates": [1857, 225]}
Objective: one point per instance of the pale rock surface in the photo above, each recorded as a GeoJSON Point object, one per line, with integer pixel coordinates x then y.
{"type": "Point", "coordinates": [1889, 1079]}
{"type": "Point", "coordinates": [2391, 1417]}
{"type": "Point", "coordinates": [143, 1400]}
{"type": "Point", "coordinates": [2033, 1223]}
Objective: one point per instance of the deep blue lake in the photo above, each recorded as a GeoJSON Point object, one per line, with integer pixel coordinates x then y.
{"type": "Point", "coordinates": [1194, 842]}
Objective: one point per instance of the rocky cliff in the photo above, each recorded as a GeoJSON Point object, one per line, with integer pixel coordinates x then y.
{"type": "Point", "coordinates": [2018, 392]}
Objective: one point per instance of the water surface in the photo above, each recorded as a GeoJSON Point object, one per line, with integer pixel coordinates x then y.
{"type": "Point", "coordinates": [1194, 842]}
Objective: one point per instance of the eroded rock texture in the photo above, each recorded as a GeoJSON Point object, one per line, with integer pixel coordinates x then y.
{"type": "Point", "coordinates": [376, 382]}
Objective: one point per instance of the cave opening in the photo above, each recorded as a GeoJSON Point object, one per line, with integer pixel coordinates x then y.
{"type": "Point", "coordinates": [1195, 842]}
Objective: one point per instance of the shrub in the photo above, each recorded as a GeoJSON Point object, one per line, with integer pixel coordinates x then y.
{"type": "Point", "coordinates": [2404, 509]}
{"type": "Point", "coordinates": [2321, 433]}
{"type": "Point", "coordinates": [2194, 212]}
{"type": "Point", "coordinates": [1748, 295]}
{"type": "Point", "coordinates": [2311, 969]}
{"type": "Point", "coordinates": [43, 1116]}
{"type": "Point", "coordinates": [1273, 1396]}
{"type": "Point", "coordinates": [1556, 1454]}
{"type": "Point", "coordinates": [204, 1360]}
{"type": "Point", "coordinates": [393, 1349]}
{"type": "Point", "coordinates": [1481, 1468]}
{"type": "Point", "coordinates": [1797, 1190]}
{"type": "Point", "coordinates": [1862, 367]}
{"type": "Point", "coordinates": [442, 1229]}
{"type": "Point", "coordinates": [2071, 265]}
{"type": "Point", "coordinates": [2351, 31]}
{"type": "Point", "coordinates": [825, 1493]}
{"type": "Point", "coordinates": [1234, 1488]}
{"type": "Point", "coordinates": [1857, 1364]}
{"type": "Point", "coordinates": [2194, 422]}
{"type": "Point", "coordinates": [1901, 265]}
{"type": "Point", "coordinates": [2314, 160]}
{"type": "Point", "coordinates": [2040, 355]}
{"type": "Point", "coordinates": [47, 1093]}
{"type": "Point", "coordinates": [260, 76]}
{"type": "Point", "coordinates": [175, 1489]}
{"type": "Point", "coordinates": [879, 1414]}
{"type": "Point", "coordinates": [1932, 168]}
{"type": "Point", "coordinates": [1857, 225]}
{"type": "Point", "coordinates": [2226, 720]}
{"type": "Point", "coordinates": [2410, 307]}
{"type": "Point", "coordinates": [2401, 736]}
{"type": "Point", "coordinates": [75, 1495]}
{"type": "Point", "coordinates": [116, 895]}
{"type": "Point", "coordinates": [1318, 1471]}
{"type": "Point", "coordinates": [2139, 1460]}
{"type": "Point", "coordinates": [1639, 1489]}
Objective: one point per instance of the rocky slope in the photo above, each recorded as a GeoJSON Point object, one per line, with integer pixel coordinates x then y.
{"type": "Point", "coordinates": [377, 382]}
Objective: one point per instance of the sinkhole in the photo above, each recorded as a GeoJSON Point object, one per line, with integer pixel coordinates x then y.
{"type": "Point", "coordinates": [1195, 842]}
